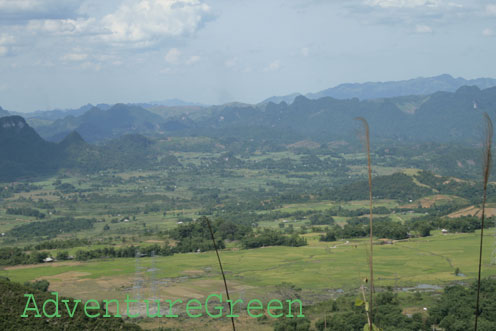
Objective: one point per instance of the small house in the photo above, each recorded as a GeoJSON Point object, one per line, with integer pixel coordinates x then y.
{"type": "Point", "coordinates": [444, 231]}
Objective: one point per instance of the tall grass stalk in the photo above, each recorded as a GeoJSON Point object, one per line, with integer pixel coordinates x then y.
{"type": "Point", "coordinates": [221, 269]}
{"type": "Point", "coordinates": [487, 158]}
{"type": "Point", "coordinates": [369, 319]}
{"type": "Point", "coordinates": [371, 248]}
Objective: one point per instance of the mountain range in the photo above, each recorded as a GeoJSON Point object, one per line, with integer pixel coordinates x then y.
{"type": "Point", "coordinates": [96, 124]}
{"type": "Point", "coordinates": [24, 153]}
{"type": "Point", "coordinates": [125, 134]}
{"type": "Point", "coordinates": [55, 114]}
{"type": "Point", "coordinates": [439, 117]}
{"type": "Point", "coordinates": [375, 90]}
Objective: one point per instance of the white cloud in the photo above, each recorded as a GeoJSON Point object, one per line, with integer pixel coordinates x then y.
{"type": "Point", "coordinates": [487, 32]}
{"type": "Point", "coordinates": [491, 9]}
{"type": "Point", "coordinates": [91, 66]}
{"type": "Point", "coordinates": [141, 21]}
{"type": "Point", "coordinates": [421, 28]}
{"type": "Point", "coordinates": [273, 66]}
{"type": "Point", "coordinates": [172, 56]}
{"type": "Point", "coordinates": [74, 57]}
{"type": "Point", "coordinates": [6, 40]}
{"type": "Point", "coordinates": [133, 24]}
{"type": "Point", "coordinates": [62, 27]}
{"type": "Point", "coordinates": [403, 3]}
{"type": "Point", "coordinates": [193, 59]}
{"type": "Point", "coordinates": [231, 62]}
{"type": "Point", "coordinates": [305, 51]}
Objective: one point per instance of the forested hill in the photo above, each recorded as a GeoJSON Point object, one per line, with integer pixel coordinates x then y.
{"type": "Point", "coordinates": [97, 124]}
{"type": "Point", "coordinates": [23, 153]}
{"type": "Point", "coordinates": [440, 117]}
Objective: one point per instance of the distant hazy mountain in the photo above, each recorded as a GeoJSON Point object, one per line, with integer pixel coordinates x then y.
{"type": "Point", "coordinates": [24, 154]}
{"type": "Point", "coordinates": [97, 124]}
{"type": "Point", "coordinates": [284, 98]}
{"type": "Point", "coordinates": [376, 90]}
{"type": "Point", "coordinates": [439, 117]}
{"type": "Point", "coordinates": [170, 103]}
{"type": "Point", "coordinates": [55, 113]}
{"type": "Point", "coordinates": [3, 112]}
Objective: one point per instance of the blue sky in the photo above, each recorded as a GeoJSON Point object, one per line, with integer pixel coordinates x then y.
{"type": "Point", "coordinates": [66, 53]}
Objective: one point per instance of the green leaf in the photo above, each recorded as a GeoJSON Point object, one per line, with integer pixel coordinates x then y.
{"type": "Point", "coordinates": [374, 328]}
{"type": "Point", "coordinates": [358, 302]}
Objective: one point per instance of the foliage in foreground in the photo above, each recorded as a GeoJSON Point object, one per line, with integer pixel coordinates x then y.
{"type": "Point", "coordinates": [13, 302]}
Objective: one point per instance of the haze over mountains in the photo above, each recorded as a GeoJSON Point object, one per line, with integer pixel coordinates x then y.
{"type": "Point", "coordinates": [25, 154]}
{"type": "Point", "coordinates": [439, 117]}
{"type": "Point", "coordinates": [413, 117]}
{"type": "Point", "coordinates": [374, 90]}
{"type": "Point", "coordinates": [44, 144]}
{"type": "Point", "coordinates": [96, 124]}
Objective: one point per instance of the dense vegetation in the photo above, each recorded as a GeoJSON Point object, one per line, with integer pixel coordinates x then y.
{"type": "Point", "coordinates": [397, 186]}
{"type": "Point", "coordinates": [26, 212]}
{"type": "Point", "coordinates": [13, 302]}
{"type": "Point", "coordinates": [51, 228]}
{"type": "Point", "coordinates": [452, 310]}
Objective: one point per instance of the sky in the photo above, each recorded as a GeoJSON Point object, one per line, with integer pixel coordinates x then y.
{"type": "Point", "coordinates": [67, 53]}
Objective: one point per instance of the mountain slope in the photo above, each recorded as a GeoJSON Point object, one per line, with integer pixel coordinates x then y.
{"type": "Point", "coordinates": [97, 124]}
{"type": "Point", "coordinates": [375, 90]}
{"type": "Point", "coordinates": [3, 112]}
{"type": "Point", "coordinates": [416, 86]}
{"type": "Point", "coordinates": [440, 117]}
{"type": "Point", "coordinates": [55, 114]}
{"type": "Point", "coordinates": [23, 152]}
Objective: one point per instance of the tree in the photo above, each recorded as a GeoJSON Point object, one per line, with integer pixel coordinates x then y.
{"type": "Point", "coordinates": [63, 255]}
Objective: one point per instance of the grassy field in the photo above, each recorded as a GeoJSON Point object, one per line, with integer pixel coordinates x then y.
{"type": "Point", "coordinates": [319, 268]}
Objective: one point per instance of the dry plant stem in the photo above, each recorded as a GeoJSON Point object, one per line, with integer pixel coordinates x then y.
{"type": "Point", "coordinates": [486, 173]}
{"type": "Point", "coordinates": [371, 254]}
{"type": "Point", "coordinates": [221, 269]}
{"type": "Point", "coordinates": [366, 310]}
